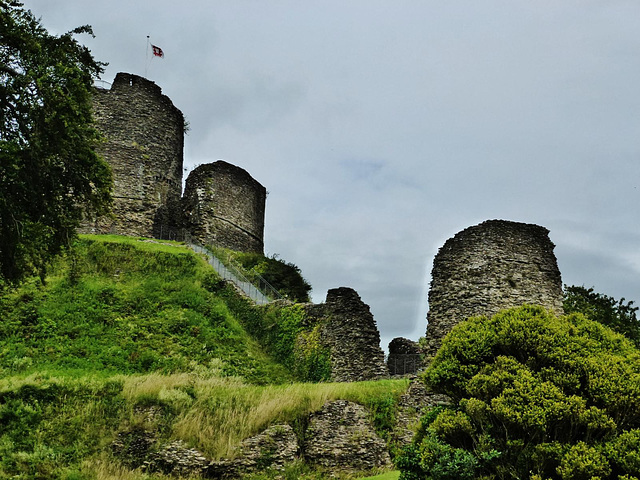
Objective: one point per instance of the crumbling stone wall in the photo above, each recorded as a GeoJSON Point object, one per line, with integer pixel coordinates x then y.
{"type": "Point", "coordinates": [341, 436]}
{"type": "Point", "coordinates": [405, 357]}
{"type": "Point", "coordinates": [225, 206]}
{"type": "Point", "coordinates": [350, 333]}
{"type": "Point", "coordinates": [144, 136]}
{"type": "Point", "coordinates": [489, 267]}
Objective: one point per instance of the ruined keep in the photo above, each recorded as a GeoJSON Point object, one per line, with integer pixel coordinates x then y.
{"type": "Point", "coordinates": [349, 332]}
{"type": "Point", "coordinates": [144, 138]}
{"type": "Point", "coordinates": [483, 269]}
{"type": "Point", "coordinates": [143, 143]}
{"type": "Point", "coordinates": [225, 206]}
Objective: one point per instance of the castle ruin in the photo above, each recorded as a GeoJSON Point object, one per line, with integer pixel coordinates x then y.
{"type": "Point", "coordinates": [143, 143]}
{"type": "Point", "coordinates": [486, 268]}
{"type": "Point", "coordinates": [350, 333]}
{"type": "Point", "coordinates": [224, 205]}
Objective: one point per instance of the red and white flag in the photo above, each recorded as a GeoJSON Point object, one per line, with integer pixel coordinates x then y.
{"type": "Point", "coordinates": [157, 51]}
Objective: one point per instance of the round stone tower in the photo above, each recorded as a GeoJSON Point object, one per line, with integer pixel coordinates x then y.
{"type": "Point", "coordinates": [144, 138]}
{"type": "Point", "coordinates": [487, 268]}
{"type": "Point", "coordinates": [223, 205]}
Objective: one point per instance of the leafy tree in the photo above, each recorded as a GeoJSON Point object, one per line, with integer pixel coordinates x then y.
{"type": "Point", "coordinates": [616, 314]}
{"type": "Point", "coordinates": [50, 172]}
{"type": "Point", "coordinates": [533, 396]}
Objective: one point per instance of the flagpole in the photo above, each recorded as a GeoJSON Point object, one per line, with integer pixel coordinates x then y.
{"type": "Point", "coordinates": [146, 63]}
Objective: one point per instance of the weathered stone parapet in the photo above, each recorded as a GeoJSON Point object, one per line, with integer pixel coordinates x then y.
{"type": "Point", "coordinates": [225, 206]}
{"type": "Point", "coordinates": [341, 436]}
{"type": "Point", "coordinates": [349, 331]}
{"type": "Point", "coordinates": [144, 137]}
{"type": "Point", "coordinates": [489, 267]}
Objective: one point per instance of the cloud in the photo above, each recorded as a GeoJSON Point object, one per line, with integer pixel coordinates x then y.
{"type": "Point", "coordinates": [381, 130]}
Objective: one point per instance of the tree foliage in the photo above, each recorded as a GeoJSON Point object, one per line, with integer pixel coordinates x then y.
{"type": "Point", "coordinates": [284, 276]}
{"type": "Point", "coordinates": [616, 314]}
{"type": "Point", "coordinates": [533, 396]}
{"type": "Point", "coordinates": [49, 169]}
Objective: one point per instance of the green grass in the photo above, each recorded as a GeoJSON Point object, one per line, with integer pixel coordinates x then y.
{"type": "Point", "coordinates": [394, 475]}
{"type": "Point", "coordinates": [125, 325]}
{"type": "Point", "coordinates": [121, 305]}
{"type": "Point", "coordinates": [52, 426]}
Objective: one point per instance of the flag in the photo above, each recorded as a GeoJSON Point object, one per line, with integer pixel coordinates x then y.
{"type": "Point", "coordinates": [157, 51]}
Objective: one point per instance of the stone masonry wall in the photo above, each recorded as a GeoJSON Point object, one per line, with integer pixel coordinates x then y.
{"type": "Point", "coordinates": [341, 437]}
{"type": "Point", "coordinates": [224, 205]}
{"type": "Point", "coordinates": [349, 331]}
{"type": "Point", "coordinates": [144, 136]}
{"type": "Point", "coordinates": [405, 357]}
{"type": "Point", "coordinates": [489, 267]}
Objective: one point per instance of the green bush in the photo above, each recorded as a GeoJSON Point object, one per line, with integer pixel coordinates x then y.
{"type": "Point", "coordinates": [532, 396]}
{"type": "Point", "coordinates": [283, 276]}
{"type": "Point", "coordinates": [283, 332]}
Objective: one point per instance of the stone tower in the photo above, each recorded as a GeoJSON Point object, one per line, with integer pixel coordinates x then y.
{"type": "Point", "coordinates": [489, 267]}
{"type": "Point", "coordinates": [350, 333]}
{"type": "Point", "coordinates": [224, 205]}
{"type": "Point", "coordinates": [144, 138]}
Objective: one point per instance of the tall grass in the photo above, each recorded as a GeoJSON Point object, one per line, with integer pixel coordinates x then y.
{"type": "Point", "coordinates": [123, 324]}
{"type": "Point", "coordinates": [59, 425]}
{"type": "Point", "coordinates": [221, 412]}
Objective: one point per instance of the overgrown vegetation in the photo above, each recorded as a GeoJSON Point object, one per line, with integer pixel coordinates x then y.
{"type": "Point", "coordinates": [50, 172]}
{"type": "Point", "coordinates": [616, 314]}
{"type": "Point", "coordinates": [118, 305]}
{"type": "Point", "coordinates": [282, 330]}
{"type": "Point", "coordinates": [285, 277]}
{"type": "Point", "coordinates": [534, 396]}
{"type": "Point", "coordinates": [62, 427]}
{"type": "Point", "coordinates": [134, 335]}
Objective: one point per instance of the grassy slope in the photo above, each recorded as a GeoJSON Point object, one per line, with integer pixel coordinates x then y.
{"type": "Point", "coordinates": [119, 305]}
{"type": "Point", "coordinates": [123, 325]}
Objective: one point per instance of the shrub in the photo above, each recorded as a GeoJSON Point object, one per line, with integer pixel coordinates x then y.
{"type": "Point", "coordinates": [533, 395]}
{"type": "Point", "coordinates": [283, 276]}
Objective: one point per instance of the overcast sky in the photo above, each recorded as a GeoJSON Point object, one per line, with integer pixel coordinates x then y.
{"type": "Point", "coordinates": [383, 128]}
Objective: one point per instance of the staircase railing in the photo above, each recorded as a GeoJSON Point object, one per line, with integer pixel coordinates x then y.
{"type": "Point", "coordinates": [261, 294]}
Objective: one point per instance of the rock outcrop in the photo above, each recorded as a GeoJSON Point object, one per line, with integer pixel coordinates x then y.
{"type": "Point", "coordinates": [273, 448]}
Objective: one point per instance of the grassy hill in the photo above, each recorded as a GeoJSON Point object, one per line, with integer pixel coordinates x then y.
{"type": "Point", "coordinates": [124, 327]}
{"type": "Point", "coordinates": [122, 305]}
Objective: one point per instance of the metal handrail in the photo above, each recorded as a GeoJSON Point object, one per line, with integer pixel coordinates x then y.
{"type": "Point", "coordinates": [261, 294]}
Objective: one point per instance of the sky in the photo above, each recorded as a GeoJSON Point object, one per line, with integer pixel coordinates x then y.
{"type": "Point", "coordinates": [382, 128]}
